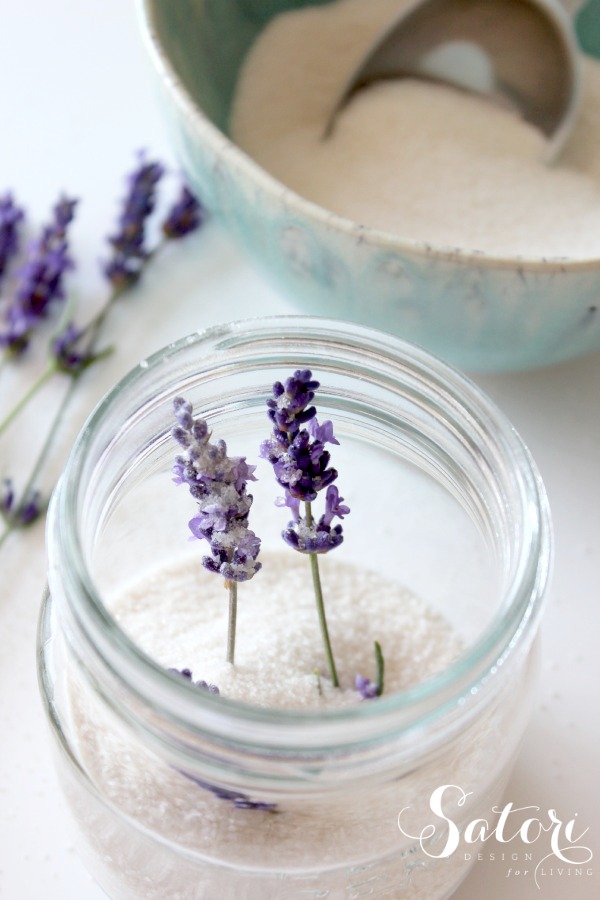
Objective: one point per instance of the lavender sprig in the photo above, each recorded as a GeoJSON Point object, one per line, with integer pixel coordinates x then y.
{"type": "Point", "coordinates": [73, 350]}
{"type": "Point", "coordinates": [301, 466]}
{"type": "Point", "coordinates": [10, 219]}
{"type": "Point", "coordinates": [239, 800]}
{"type": "Point", "coordinates": [217, 483]}
{"type": "Point", "coordinates": [129, 254]}
{"type": "Point", "coordinates": [40, 282]}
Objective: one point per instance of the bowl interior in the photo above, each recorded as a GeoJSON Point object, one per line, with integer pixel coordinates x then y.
{"type": "Point", "coordinates": [207, 40]}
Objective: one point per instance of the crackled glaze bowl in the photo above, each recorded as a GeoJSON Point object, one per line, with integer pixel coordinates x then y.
{"type": "Point", "coordinates": [479, 312]}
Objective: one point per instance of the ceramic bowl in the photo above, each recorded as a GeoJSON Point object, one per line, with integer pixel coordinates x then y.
{"type": "Point", "coordinates": [479, 312]}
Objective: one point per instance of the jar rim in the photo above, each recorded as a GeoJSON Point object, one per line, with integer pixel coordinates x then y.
{"type": "Point", "coordinates": [512, 627]}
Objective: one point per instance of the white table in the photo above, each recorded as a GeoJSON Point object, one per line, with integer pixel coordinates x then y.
{"type": "Point", "coordinates": [75, 104]}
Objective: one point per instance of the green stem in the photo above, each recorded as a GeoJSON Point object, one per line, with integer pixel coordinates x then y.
{"type": "Point", "coordinates": [95, 324]}
{"type": "Point", "coordinates": [314, 565]}
{"type": "Point", "coordinates": [6, 533]}
{"type": "Point", "coordinates": [94, 327]}
{"type": "Point", "coordinates": [29, 395]}
{"type": "Point", "coordinates": [232, 621]}
{"type": "Point", "coordinates": [379, 668]}
{"type": "Point", "coordinates": [49, 439]}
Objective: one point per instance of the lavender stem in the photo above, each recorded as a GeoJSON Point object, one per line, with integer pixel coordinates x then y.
{"type": "Point", "coordinates": [232, 621]}
{"type": "Point", "coordinates": [314, 565]}
{"type": "Point", "coordinates": [29, 395]}
{"type": "Point", "coordinates": [379, 668]}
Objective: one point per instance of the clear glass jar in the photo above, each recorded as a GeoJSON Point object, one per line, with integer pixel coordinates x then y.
{"type": "Point", "coordinates": [445, 499]}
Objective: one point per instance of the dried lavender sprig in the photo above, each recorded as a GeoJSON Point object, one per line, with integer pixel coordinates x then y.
{"type": "Point", "coordinates": [239, 800]}
{"type": "Point", "coordinates": [92, 332]}
{"type": "Point", "coordinates": [11, 216]}
{"type": "Point", "coordinates": [217, 483]}
{"type": "Point", "coordinates": [40, 282]}
{"type": "Point", "coordinates": [301, 466]}
{"type": "Point", "coordinates": [129, 252]}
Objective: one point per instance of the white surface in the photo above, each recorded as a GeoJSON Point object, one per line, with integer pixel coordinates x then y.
{"type": "Point", "coordinates": [75, 104]}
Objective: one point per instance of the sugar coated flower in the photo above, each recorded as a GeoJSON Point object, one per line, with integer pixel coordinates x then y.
{"type": "Point", "coordinates": [218, 484]}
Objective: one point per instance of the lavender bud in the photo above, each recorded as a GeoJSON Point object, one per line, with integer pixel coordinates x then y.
{"type": "Point", "coordinates": [366, 688]}
{"type": "Point", "coordinates": [69, 358]}
{"type": "Point", "coordinates": [186, 216]}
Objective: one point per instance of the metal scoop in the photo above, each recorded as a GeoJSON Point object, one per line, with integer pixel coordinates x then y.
{"type": "Point", "coordinates": [520, 53]}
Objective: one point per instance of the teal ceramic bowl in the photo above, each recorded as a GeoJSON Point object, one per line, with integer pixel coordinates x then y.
{"type": "Point", "coordinates": [479, 312]}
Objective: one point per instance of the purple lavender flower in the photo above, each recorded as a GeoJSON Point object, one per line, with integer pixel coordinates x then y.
{"type": "Point", "coordinates": [19, 514]}
{"type": "Point", "coordinates": [10, 217]}
{"type": "Point", "coordinates": [30, 509]}
{"type": "Point", "coordinates": [218, 484]}
{"type": "Point", "coordinates": [288, 406]}
{"type": "Point", "coordinates": [204, 685]}
{"type": "Point", "coordinates": [366, 688]}
{"type": "Point", "coordinates": [239, 800]}
{"type": "Point", "coordinates": [301, 463]}
{"type": "Point", "coordinates": [292, 504]}
{"type": "Point", "coordinates": [302, 468]}
{"type": "Point", "coordinates": [7, 497]}
{"type": "Point", "coordinates": [128, 243]}
{"type": "Point", "coordinates": [40, 280]}
{"type": "Point", "coordinates": [333, 507]}
{"type": "Point", "coordinates": [186, 215]}
{"type": "Point", "coordinates": [323, 433]}
{"type": "Point", "coordinates": [320, 536]}
{"type": "Point", "coordinates": [68, 356]}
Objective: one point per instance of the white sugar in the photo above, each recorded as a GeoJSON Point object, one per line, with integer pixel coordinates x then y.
{"type": "Point", "coordinates": [157, 834]}
{"type": "Point", "coordinates": [178, 616]}
{"type": "Point", "coordinates": [423, 161]}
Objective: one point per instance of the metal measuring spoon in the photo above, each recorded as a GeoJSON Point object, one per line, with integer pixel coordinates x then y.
{"type": "Point", "coordinates": [520, 53]}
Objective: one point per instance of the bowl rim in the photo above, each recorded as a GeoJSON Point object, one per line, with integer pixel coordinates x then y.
{"type": "Point", "coordinates": [219, 140]}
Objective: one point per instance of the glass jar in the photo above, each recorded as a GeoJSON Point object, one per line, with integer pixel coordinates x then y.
{"type": "Point", "coordinates": [177, 793]}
